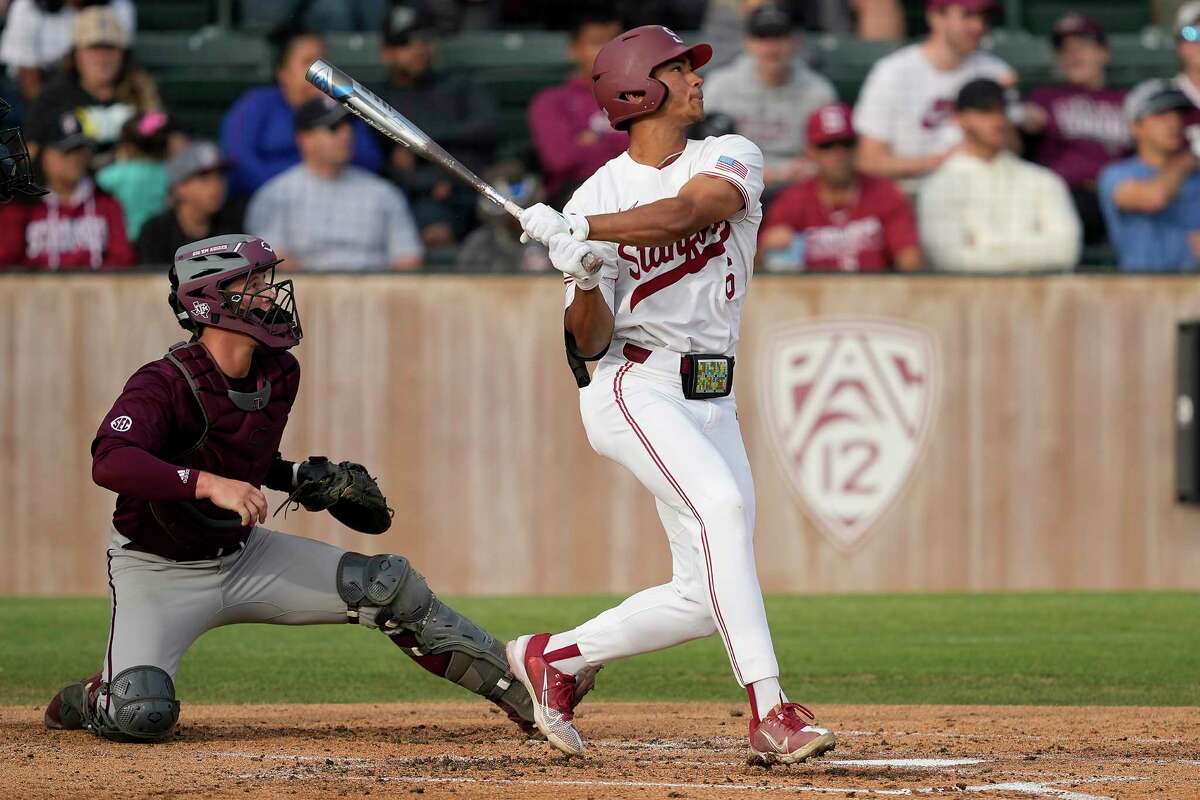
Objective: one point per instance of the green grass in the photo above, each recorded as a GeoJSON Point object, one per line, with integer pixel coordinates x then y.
{"type": "Point", "coordinates": [1042, 649]}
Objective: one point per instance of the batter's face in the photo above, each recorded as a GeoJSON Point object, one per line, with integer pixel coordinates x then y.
{"type": "Point", "coordinates": [685, 100]}
{"type": "Point", "coordinates": [1082, 60]}
{"type": "Point", "coordinates": [959, 28]}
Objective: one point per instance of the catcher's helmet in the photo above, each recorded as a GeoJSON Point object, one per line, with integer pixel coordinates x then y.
{"type": "Point", "coordinates": [623, 67]}
{"type": "Point", "coordinates": [15, 176]}
{"type": "Point", "coordinates": [209, 286]}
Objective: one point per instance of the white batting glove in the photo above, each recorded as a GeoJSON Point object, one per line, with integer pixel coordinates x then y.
{"type": "Point", "coordinates": [567, 254]}
{"type": "Point", "coordinates": [540, 222]}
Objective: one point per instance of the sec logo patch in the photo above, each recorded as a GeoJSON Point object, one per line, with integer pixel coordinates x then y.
{"type": "Point", "coordinates": [121, 424]}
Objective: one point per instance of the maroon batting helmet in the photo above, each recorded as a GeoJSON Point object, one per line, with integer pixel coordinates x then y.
{"type": "Point", "coordinates": [623, 67]}
{"type": "Point", "coordinates": [210, 285]}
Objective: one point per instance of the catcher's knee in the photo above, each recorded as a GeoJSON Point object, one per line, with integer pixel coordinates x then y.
{"type": "Point", "coordinates": [137, 705]}
{"type": "Point", "coordinates": [388, 593]}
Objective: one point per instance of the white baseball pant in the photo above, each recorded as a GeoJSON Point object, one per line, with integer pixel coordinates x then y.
{"type": "Point", "coordinates": [690, 455]}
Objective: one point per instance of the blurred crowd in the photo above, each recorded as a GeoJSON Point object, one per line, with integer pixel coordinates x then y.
{"type": "Point", "coordinates": [942, 163]}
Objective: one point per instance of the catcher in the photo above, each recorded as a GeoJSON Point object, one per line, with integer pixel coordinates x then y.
{"type": "Point", "coordinates": [186, 447]}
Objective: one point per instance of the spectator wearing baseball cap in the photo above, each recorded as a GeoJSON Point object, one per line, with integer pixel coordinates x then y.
{"type": "Point", "coordinates": [724, 22]}
{"type": "Point", "coordinates": [37, 35]}
{"type": "Point", "coordinates": [324, 213]}
{"type": "Point", "coordinates": [1151, 201]}
{"type": "Point", "coordinates": [570, 133]}
{"type": "Point", "coordinates": [985, 209]}
{"type": "Point", "coordinates": [770, 95]}
{"type": "Point", "coordinates": [904, 114]}
{"type": "Point", "coordinates": [199, 204]}
{"type": "Point", "coordinates": [99, 83]}
{"type": "Point", "coordinates": [257, 135]}
{"type": "Point", "coordinates": [1187, 47]}
{"type": "Point", "coordinates": [1079, 127]}
{"type": "Point", "coordinates": [839, 220]}
{"type": "Point", "coordinates": [453, 109]}
{"type": "Point", "coordinates": [73, 227]}
{"type": "Point", "coordinates": [138, 176]}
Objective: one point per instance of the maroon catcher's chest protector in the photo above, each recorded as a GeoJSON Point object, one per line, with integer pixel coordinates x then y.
{"type": "Point", "coordinates": [241, 434]}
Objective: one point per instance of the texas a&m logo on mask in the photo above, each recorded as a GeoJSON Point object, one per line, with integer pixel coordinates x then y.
{"type": "Point", "coordinates": [849, 404]}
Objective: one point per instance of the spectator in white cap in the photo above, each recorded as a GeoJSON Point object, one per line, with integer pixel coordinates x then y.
{"type": "Point", "coordinates": [1151, 201]}
{"type": "Point", "coordinates": [904, 114]}
{"type": "Point", "coordinates": [984, 209]}
{"type": "Point", "coordinates": [199, 205]}
{"type": "Point", "coordinates": [99, 83]}
{"type": "Point", "coordinates": [1187, 46]}
{"type": "Point", "coordinates": [770, 95]}
{"type": "Point", "coordinates": [38, 34]}
{"type": "Point", "coordinates": [1078, 127]}
{"type": "Point", "coordinates": [839, 220]}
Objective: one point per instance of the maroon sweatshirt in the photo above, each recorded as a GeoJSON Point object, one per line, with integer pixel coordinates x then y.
{"type": "Point", "coordinates": [86, 231]}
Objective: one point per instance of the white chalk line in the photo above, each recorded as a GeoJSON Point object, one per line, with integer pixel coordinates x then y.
{"type": "Point", "coordinates": [1044, 790]}
{"type": "Point", "coordinates": [995, 736]}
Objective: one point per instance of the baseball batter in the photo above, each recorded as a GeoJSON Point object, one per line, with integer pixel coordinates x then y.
{"type": "Point", "coordinates": [675, 223]}
{"type": "Point", "coordinates": [186, 447]}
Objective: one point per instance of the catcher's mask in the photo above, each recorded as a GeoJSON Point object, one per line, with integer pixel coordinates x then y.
{"type": "Point", "coordinates": [16, 178]}
{"type": "Point", "coordinates": [229, 282]}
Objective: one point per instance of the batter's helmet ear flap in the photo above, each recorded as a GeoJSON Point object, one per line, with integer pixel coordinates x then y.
{"type": "Point", "coordinates": [623, 67]}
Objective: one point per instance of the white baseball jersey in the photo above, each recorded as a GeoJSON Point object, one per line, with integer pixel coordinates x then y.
{"type": "Point", "coordinates": [686, 296]}
{"type": "Point", "coordinates": [909, 103]}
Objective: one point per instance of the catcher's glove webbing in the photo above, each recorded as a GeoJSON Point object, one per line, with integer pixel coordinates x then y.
{"type": "Point", "coordinates": [346, 490]}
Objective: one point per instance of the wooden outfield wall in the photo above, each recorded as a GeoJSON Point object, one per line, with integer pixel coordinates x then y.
{"type": "Point", "coordinates": [907, 434]}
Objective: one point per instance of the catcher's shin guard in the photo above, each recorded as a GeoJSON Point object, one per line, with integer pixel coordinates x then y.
{"type": "Point", "coordinates": [137, 705]}
{"type": "Point", "coordinates": [386, 592]}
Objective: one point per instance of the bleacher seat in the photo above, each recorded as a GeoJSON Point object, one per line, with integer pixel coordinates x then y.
{"type": "Point", "coordinates": [174, 15]}
{"type": "Point", "coordinates": [209, 52]}
{"type": "Point", "coordinates": [846, 61]}
{"type": "Point", "coordinates": [1117, 16]}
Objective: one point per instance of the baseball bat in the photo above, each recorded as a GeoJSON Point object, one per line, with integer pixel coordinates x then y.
{"type": "Point", "coordinates": [372, 109]}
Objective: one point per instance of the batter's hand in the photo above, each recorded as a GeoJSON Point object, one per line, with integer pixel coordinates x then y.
{"type": "Point", "coordinates": [541, 222]}
{"type": "Point", "coordinates": [237, 496]}
{"type": "Point", "coordinates": [567, 254]}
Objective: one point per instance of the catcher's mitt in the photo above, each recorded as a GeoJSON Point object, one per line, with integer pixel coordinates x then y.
{"type": "Point", "coordinates": [346, 490]}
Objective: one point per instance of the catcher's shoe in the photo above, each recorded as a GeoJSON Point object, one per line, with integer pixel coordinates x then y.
{"type": "Point", "coordinates": [552, 692]}
{"type": "Point", "coordinates": [65, 712]}
{"type": "Point", "coordinates": [786, 734]}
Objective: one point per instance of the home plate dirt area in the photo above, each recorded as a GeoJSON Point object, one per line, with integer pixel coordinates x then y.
{"type": "Point", "coordinates": [636, 750]}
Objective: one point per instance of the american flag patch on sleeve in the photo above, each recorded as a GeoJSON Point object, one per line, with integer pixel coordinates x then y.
{"type": "Point", "coordinates": [730, 164]}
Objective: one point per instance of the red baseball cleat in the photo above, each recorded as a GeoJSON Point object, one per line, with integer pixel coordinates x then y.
{"type": "Point", "coordinates": [552, 692]}
{"type": "Point", "coordinates": [786, 734]}
{"type": "Point", "coordinates": [65, 712]}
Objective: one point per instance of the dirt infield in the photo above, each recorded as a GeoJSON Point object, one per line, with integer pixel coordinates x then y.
{"type": "Point", "coordinates": [636, 751]}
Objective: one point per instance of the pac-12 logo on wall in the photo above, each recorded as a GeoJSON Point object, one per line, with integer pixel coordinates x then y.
{"type": "Point", "coordinates": [849, 404]}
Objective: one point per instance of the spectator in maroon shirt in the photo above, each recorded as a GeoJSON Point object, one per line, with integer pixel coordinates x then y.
{"type": "Point", "coordinates": [571, 133]}
{"type": "Point", "coordinates": [1079, 127]}
{"type": "Point", "coordinates": [75, 226]}
{"type": "Point", "coordinates": [1187, 46]}
{"type": "Point", "coordinates": [839, 220]}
